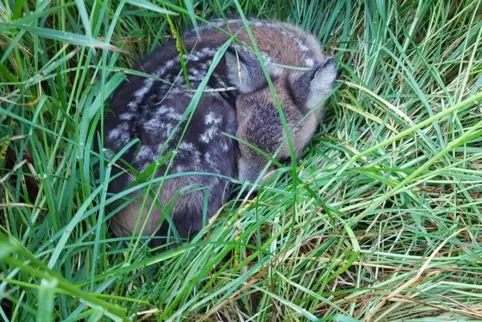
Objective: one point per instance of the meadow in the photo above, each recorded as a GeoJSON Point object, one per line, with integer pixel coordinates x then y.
{"type": "Point", "coordinates": [380, 220]}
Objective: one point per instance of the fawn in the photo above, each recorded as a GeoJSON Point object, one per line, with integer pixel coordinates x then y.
{"type": "Point", "coordinates": [150, 109]}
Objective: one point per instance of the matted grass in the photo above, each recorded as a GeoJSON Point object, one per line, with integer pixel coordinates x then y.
{"type": "Point", "coordinates": [384, 223]}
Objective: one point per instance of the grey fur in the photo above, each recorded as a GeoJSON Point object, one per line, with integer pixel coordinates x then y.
{"type": "Point", "coordinates": [149, 110]}
{"type": "Point", "coordinates": [215, 155]}
{"type": "Point", "coordinates": [259, 121]}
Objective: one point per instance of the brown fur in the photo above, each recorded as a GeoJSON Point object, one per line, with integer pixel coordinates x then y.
{"type": "Point", "coordinates": [299, 93]}
{"type": "Point", "coordinates": [259, 122]}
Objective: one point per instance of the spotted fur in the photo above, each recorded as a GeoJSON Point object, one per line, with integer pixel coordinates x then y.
{"type": "Point", "coordinates": [149, 109]}
{"type": "Point", "coordinates": [203, 149]}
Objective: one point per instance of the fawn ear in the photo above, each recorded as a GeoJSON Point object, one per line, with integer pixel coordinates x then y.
{"type": "Point", "coordinates": [244, 69]}
{"type": "Point", "coordinates": [313, 86]}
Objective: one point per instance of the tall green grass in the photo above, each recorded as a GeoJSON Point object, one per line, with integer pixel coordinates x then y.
{"type": "Point", "coordinates": [383, 222]}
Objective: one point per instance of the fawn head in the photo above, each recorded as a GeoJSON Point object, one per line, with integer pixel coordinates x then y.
{"type": "Point", "coordinates": [299, 92]}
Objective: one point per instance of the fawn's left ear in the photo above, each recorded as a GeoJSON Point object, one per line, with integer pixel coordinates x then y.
{"type": "Point", "coordinates": [244, 69]}
{"type": "Point", "coordinates": [313, 86]}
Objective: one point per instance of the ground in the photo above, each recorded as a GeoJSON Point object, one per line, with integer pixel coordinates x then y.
{"type": "Point", "coordinates": [381, 221]}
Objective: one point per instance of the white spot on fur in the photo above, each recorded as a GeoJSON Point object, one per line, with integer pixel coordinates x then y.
{"type": "Point", "coordinates": [120, 132]}
{"type": "Point", "coordinates": [309, 62]}
{"type": "Point", "coordinates": [194, 56]}
{"type": "Point", "coordinates": [164, 87]}
{"type": "Point", "coordinates": [193, 71]}
{"type": "Point", "coordinates": [209, 51]}
{"type": "Point", "coordinates": [224, 147]}
{"type": "Point", "coordinates": [201, 54]}
{"type": "Point", "coordinates": [155, 125]}
{"type": "Point", "coordinates": [302, 47]}
{"type": "Point", "coordinates": [114, 134]}
{"type": "Point", "coordinates": [168, 127]}
{"type": "Point", "coordinates": [140, 93]}
{"type": "Point", "coordinates": [158, 149]}
{"type": "Point", "coordinates": [124, 139]}
{"type": "Point", "coordinates": [191, 155]}
{"type": "Point", "coordinates": [143, 90]}
{"type": "Point", "coordinates": [195, 157]}
{"type": "Point", "coordinates": [146, 153]}
{"type": "Point", "coordinates": [163, 110]}
{"type": "Point", "coordinates": [197, 78]}
{"type": "Point", "coordinates": [209, 134]}
{"type": "Point", "coordinates": [171, 63]}
{"type": "Point", "coordinates": [174, 116]}
{"type": "Point", "coordinates": [160, 72]}
{"type": "Point", "coordinates": [179, 169]}
{"type": "Point", "coordinates": [211, 162]}
{"type": "Point", "coordinates": [187, 146]}
{"type": "Point", "coordinates": [152, 125]}
{"type": "Point", "coordinates": [126, 116]}
{"type": "Point", "coordinates": [212, 118]}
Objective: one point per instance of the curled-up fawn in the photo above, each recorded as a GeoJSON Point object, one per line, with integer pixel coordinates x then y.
{"type": "Point", "coordinates": [149, 110]}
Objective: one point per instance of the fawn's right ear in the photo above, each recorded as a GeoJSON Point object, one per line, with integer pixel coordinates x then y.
{"type": "Point", "coordinates": [244, 69]}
